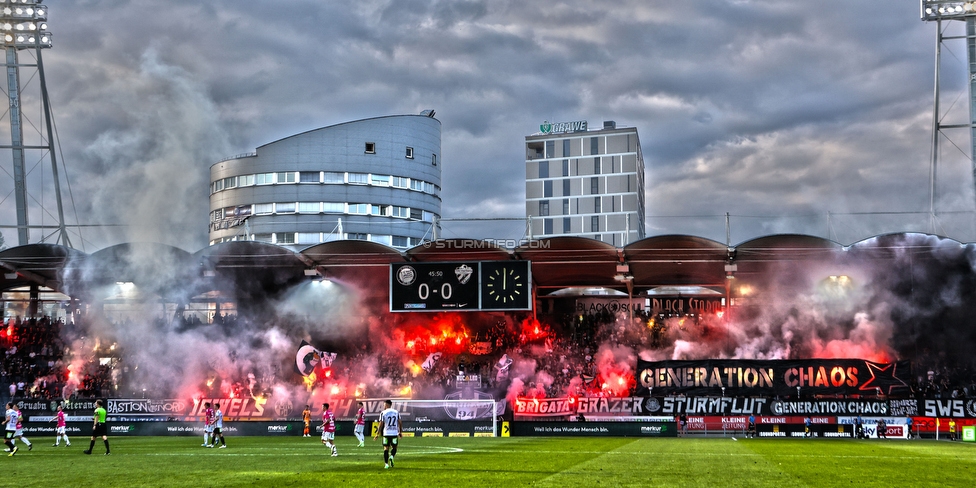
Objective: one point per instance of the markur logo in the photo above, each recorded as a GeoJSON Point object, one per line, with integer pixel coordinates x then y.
{"type": "Point", "coordinates": [121, 429]}
{"type": "Point", "coordinates": [278, 429]}
{"type": "Point", "coordinates": [653, 429]}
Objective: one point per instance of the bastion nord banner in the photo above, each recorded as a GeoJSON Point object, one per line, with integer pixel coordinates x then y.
{"type": "Point", "coordinates": [735, 377]}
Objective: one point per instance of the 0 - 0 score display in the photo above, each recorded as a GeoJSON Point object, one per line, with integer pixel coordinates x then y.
{"type": "Point", "coordinates": [470, 285]}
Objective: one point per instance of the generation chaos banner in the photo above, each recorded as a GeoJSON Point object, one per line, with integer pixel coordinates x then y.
{"type": "Point", "coordinates": [737, 377]}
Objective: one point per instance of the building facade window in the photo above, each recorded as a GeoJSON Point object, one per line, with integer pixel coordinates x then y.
{"type": "Point", "coordinates": [543, 169]}
{"type": "Point", "coordinates": [543, 207]}
{"type": "Point", "coordinates": [597, 207]}
{"type": "Point", "coordinates": [308, 238]}
{"type": "Point", "coordinates": [565, 206]}
{"type": "Point", "coordinates": [595, 223]}
{"type": "Point", "coordinates": [379, 180]}
{"type": "Point", "coordinates": [401, 241]}
{"type": "Point", "coordinates": [567, 225]}
{"type": "Point", "coordinates": [594, 185]}
{"type": "Point", "coordinates": [433, 160]}
{"type": "Point", "coordinates": [565, 188]}
{"type": "Point", "coordinates": [547, 226]}
{"type": "Point", "coordinates": [308, 177]}
{"type": "Point", "coordinates": [263, 208]}
{"type": "Point", "coordinates": [309, 207]}
{"type": "Point", "coordinates": [409, 152]}
{"type": "Point", "coordinates": [286, 177]}
{"type": "Point", "coordinates": [333, 207]}
{"type": "Point", "coordinates": [370, 148]}
{"type": "Point", "coordinates": [358, 209]}
{"type": "Point", "coordinates": [358, 178]}
{"type": "Point", "coordinates": [547, 188]}
{"type": "Point", "coordinates": [386, 240]}
{"type": "Point", "coordinates": [288, 207]}
{"type": "Point", "coordinates": [333, 178]}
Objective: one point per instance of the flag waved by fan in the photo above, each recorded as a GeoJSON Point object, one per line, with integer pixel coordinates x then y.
{"type": "Point", "coordinates": [308, 358]}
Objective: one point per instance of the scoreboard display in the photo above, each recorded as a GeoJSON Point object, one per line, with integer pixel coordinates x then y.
{"type": "Point", "coordinates": [468, 285]}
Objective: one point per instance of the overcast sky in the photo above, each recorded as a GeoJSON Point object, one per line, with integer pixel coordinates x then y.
{"type": "Point", "coordinates": [790, 116]}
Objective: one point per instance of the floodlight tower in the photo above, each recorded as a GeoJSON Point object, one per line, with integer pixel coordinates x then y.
{"type": "Point", "coordinates": [23, 27]}
{"type": "Point", "coordinates": [938, 11]}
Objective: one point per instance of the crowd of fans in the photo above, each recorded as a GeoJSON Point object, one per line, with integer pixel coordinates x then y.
{"type": "Point", "coordinates": [37, 358]}
{"type": "Point", "coordinates": [935, 378]}
{"type": "Point", "coordinates": [35, 362]}
{"type": "Point", "coordinates": [31, 358]}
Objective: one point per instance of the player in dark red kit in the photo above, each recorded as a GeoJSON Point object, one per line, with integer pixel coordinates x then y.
{"type": "Point", "coordinates": [361, 425]}
{"type": "Point", "coordinates": [328, 429]}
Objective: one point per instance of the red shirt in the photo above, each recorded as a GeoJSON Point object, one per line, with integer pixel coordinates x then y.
{"type": "Point", "coordinates": [361, 416]}
{"type": "Point", "coordinates": [328, 421]}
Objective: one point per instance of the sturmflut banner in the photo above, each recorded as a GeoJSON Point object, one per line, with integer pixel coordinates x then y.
{"type": "Point", "coordinates": [735, 377]}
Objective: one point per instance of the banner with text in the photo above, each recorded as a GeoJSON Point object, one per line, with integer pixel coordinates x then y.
{"type": "Point", "coordinates": [738, 377]}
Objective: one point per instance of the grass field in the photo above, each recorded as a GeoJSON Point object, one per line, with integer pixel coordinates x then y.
{"type": "Point", "coordinates": [506, 462]}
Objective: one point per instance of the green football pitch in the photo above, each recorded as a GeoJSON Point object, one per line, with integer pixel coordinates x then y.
{"type": "Point", "coordinates": [431, 462]}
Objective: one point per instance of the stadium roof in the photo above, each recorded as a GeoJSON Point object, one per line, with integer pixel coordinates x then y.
{"type": "Point", "coordinates": [247, 269]}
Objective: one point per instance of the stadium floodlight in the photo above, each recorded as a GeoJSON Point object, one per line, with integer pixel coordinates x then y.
{"type": "Point", "coordinates": [23, 24]}
{"type": "Point", "coordinates": [950, 10]}
{"type": "Point", "coordinates": [23, 27]}
{"type": "Point", "coordinates": [946, 9]}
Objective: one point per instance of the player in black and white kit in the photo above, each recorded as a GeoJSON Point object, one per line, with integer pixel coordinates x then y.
{"type": "Point", "coordinates": [218, 427]}
{"type": "Point", "coordinates": [390, 429]}
{"type": "Point", "coordinates": [10, 428]}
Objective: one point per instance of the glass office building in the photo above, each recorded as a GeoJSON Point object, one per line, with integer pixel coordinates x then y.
{"type": "Point", "coordinates": [376, 179]}
{"type": "Point", "coordinates": [587, 183]}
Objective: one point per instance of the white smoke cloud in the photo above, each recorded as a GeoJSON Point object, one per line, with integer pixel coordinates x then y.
{"type": "Point", "coordinates": [154, 169]}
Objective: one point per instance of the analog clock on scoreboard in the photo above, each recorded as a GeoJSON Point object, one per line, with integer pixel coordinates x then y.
{"type": "Point", "coordinates": [506, 285]}
{"type": "Point", "coordinates": [433, 286]}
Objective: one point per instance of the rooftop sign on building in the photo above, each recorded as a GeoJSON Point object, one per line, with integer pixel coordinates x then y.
{"type": "Point", "coordinates": [561, 127]}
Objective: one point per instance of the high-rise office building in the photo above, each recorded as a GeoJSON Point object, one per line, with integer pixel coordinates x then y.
{"type": "Point", "coordinates": [583, 182]}
{"type": "Point", "coordinates": [374, 179]}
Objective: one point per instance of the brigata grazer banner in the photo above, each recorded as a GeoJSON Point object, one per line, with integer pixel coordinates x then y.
{"type": "Point", "coordinates": [739, 377]}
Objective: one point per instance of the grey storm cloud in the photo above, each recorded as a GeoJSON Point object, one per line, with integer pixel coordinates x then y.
{"type": "Point", "coordinates": [787, 116]}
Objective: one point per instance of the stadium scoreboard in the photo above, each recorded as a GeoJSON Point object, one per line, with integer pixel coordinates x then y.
{"type": "Point", "coordinates": [460, 286]}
